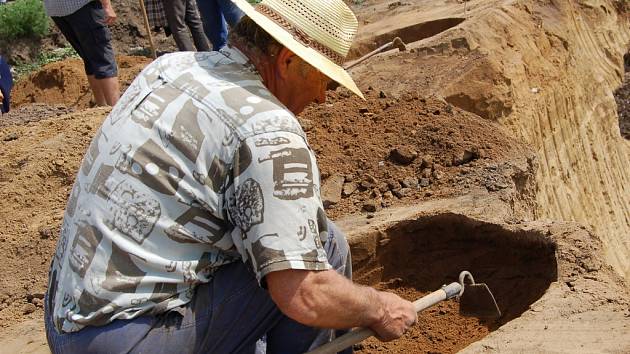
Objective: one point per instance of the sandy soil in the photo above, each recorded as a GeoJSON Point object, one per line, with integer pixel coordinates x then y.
{"type": "Point", "coordinates": [436, 172]}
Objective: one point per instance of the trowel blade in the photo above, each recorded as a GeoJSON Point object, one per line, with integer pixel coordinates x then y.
{"type": "Point", "coordinates": [478, 301]}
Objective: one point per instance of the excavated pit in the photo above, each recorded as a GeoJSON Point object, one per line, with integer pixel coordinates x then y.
{"type": "Point", "coordinates": [409, 34]}
{"type": "Point", "coordinates": [415, 257]}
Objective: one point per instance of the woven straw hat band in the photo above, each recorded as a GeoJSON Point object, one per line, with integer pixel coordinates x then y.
{"type": "Point", "coordinates": [327, 26]}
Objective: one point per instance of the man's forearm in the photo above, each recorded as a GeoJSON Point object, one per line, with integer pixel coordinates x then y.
{"type": "Point", "coordinates": [106, 3]}
{"type": "Point", "coordinates": [326, 299]}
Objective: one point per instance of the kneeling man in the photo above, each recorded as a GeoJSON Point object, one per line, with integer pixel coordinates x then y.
{"type": "Point", "coordinates": [195, 223]}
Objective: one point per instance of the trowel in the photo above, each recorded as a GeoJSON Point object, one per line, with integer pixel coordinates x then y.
{"type": "Point", "coordinates": [475, 300]}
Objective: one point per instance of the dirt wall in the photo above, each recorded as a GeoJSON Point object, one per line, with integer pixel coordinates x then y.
{"type": "Point", "coordinates": [563, 60]}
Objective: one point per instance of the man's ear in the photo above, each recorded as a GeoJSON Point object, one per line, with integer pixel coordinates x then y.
{"type": "Point", "coordinates": [284, 58]}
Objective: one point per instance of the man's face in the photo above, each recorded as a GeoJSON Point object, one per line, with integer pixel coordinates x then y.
{"type": "Point", "coordinates": [300, 84]}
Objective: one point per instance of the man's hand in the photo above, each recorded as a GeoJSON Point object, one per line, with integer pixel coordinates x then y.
{"type": "Point", "coordinates": [398, 316]}
{"type": "Point", "coordinates": [326, 299]}
{"type": "Point", "coordinates": [110, 15]}
{"type": "Point", "coordinates": [1, 97]}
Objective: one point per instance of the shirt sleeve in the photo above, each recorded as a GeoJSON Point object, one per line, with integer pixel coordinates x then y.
{"type": "Point", "coordinates": [274, 202]}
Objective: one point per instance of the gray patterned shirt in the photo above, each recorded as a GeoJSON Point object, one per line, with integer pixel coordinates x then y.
{"type": "Point", "coordinates": [59, 8]}
{"type": "Point", "coordinates": [197, 166]}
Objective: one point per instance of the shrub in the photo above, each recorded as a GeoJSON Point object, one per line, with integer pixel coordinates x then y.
{"type": "Point", "coordinates": [23, 18]}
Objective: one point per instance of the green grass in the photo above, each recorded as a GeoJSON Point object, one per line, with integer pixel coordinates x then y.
{"type": "Point", "coordinates": [24, 68]}
{"type": "Point", "coordinates": [23, 18]}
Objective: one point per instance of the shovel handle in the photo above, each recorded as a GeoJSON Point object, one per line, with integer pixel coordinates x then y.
{"type": "Point", "coordinates": [359, 334]}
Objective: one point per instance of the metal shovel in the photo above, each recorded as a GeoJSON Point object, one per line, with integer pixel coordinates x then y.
{"type": "Point", "coordinates": [475, 300]}
{"type": "Point", "coordinates": [395, 43]}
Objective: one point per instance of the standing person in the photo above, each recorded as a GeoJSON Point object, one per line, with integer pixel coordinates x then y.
{"type": "Point", "coordinates": [201, 229]}
{"type": "Point", "coordinates": [6, 83]}
{"type": "Point", "coordinates": [216, 15]}
{"type": "Point", "coordinates": [84, 24]}
{"type": "Point", "coordinates": [182, 15]}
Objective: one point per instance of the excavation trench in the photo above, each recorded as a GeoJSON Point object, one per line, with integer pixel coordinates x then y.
{"type": "Point", "coordinates": [408, 34]}
{"type": "Point", "coordinates": [415, 257]}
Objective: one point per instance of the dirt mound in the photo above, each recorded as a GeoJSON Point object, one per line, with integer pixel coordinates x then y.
{"type": "Point", "coordinates": [38, 163]}
{"type": "Point", "coordinates": [386, 151]}
{"type": "Point", "coordinates": [64, 82]}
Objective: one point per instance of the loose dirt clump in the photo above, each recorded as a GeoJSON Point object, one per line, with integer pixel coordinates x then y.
{"type": "Point", "coordinates": [439, 329]}
{"type": "Point", "coordinates": [33, 113]}
{"type": "Point", "coordinates": [64, 82]}
{"type": "Point", "coordinates": [385, 151]}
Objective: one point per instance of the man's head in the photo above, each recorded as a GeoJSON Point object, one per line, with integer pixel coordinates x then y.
{"type": "Point", "coordinates": [297, 46]}
{"type": "Point", "coordinates": [292, 80]}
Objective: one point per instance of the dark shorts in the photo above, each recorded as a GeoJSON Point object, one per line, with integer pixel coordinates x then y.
{"type": "Point", "coordinates": [90, 37]}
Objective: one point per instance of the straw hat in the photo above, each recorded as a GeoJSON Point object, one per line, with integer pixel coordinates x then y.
{"type": "Point", "coordinates": [318, 31]}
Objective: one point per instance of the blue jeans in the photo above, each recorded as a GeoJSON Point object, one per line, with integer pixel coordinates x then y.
{"type": "Point", "coordinates": [228, 315]}
{"type": "Point", "coordinates": [214, 15]}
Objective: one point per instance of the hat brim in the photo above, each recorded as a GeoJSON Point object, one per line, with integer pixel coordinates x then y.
{"type": "Point", "coordinates": [311, 56]}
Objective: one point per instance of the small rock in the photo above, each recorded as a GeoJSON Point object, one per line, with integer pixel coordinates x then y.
{"type": "Point", "coordinates": [403, 155]}
{"type": "Point", "coordinates": [29, 308]}
{"type": "Point", "coordinates": [349, 188]}
{"type": "Point", "coordinates": [402, 192]}
{"type": "Point", "coordinates": [427, 161]}
{"type": "Point", "coordinates": [331, 190]}
{"type": "Point", "coordinates": [363, 110]}
{"type": "Point", "coordinates": [424, 182]}
{"type": "Point", "coordinates": [371, 179]}
{"type": "Point", "coordinates": [464, 157]}
{"type": "Point", "coordinates": [438, 175]}
{"type": "Point", "coordinates": [371, 206]}
{"type": "Point", "coordinates": [382, 94]}
{"type": "Point", "coordinates": [45, 233]}
{"type": "Point", "coordinates": [370, 215]}
{"type": "Point", "coordinates": [10, 137]}
{"type": "Point", "coordinates": [409, 182]}
{"type": "Point", "coordinates": [366, 184]}
{"type": "Point", "coordinates": [426, 173]}
{"type": "Point", "coordinates": [388, 195]}
{"type": "Point", "coordinates": [307, 124]}
{"type": "Point", "coordinates": [35, 295]}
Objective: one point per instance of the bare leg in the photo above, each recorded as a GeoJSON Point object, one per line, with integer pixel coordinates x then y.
{"type": "Point", "coordinates": [99, 98]}
{"type": "Point", "coordinates": [110, 89]}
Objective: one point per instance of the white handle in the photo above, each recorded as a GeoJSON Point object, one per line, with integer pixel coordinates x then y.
{"type": "Point", "coordinates": [359, 334]}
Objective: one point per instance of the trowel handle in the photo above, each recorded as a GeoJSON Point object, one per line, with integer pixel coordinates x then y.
{"type": "Point", "coordinates": [359, 334]}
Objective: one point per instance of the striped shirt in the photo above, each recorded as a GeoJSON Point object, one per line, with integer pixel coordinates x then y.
{"type": "Point", "coordinates": [60, 8]}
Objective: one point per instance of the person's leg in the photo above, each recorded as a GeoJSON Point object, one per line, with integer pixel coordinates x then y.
{"type": "Point", "coordinates": [227, 315]}
{"type": "Point", "coordinates": [120, 336]}
{"type": "Point", "coordinates": [99, 98]}
{"type": "Point", "coordinates": [110, 89]}
{"type": "Point", "coordinates": [175, 16]}
{"type": "Point", "coordinates": [65, 25]}
{"type": "Point", "coordinates": [231, 13]}
{"type": "Point", "coordinates": [196, 27]}
{"type": "Point", "coordinates": [213, 23]}
{"type": "Point", "coordinates": [94, 40]}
